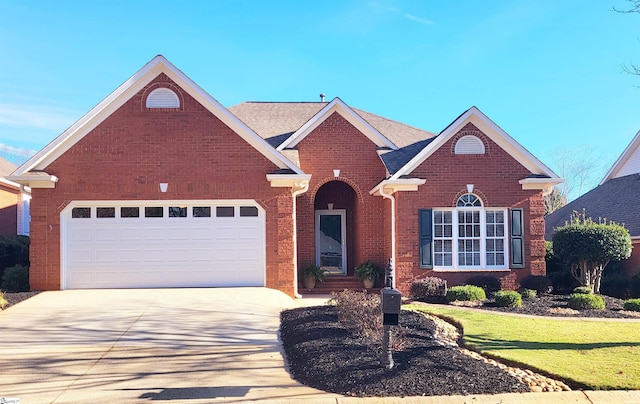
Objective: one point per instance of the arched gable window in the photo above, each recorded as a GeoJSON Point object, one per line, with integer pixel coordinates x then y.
{"type": "Point", "coordinates": [163, 98]}
{"type": "Point", "coordinates": [469, 144]}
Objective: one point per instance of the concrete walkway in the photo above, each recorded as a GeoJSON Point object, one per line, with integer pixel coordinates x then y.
{"type": "Point", "coordinates": [175, 345]}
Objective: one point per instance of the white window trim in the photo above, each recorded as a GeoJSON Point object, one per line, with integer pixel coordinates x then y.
{"type": "Point", "coordinates": [483, 240]}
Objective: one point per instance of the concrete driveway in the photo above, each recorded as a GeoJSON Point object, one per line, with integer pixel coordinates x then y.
{"type": "Point", "coordinates": [116, 346]}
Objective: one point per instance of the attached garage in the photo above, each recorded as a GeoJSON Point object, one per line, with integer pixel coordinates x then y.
{"type": "Point", "coordinates": [153, 244]}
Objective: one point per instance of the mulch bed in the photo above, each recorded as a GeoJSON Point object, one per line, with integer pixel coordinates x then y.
{"type": "Point", "coordinates": [324, 354]}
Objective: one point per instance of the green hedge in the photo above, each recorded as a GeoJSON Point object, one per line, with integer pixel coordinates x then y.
{"type": "Point", "coordinates": [508, 298]}
{"type": "Point", "coordinates": [632, 304]}
{"type": "Point", "coordinates": [582, 301]}
{"type": "Point", "coordinates": [465, 293]}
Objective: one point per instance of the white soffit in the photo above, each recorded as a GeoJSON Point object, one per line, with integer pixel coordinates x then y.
{"type": "Point", "coordinates": [337, 105]}
{"type": "Point", "coordinates": [489, 128]}
{"type": "Point", "coordinates": [129, 88]}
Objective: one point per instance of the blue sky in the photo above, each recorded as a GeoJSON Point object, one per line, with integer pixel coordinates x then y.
{"type": "Point", "coordinates": [549, 72]}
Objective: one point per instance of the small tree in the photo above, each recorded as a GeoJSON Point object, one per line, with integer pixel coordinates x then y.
{"type": "Point", "coordinates": [588, 247]}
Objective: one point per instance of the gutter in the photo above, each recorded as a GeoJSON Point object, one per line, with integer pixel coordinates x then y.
{"type": "Point", "coordinates": [304, 188]}
{"type": "Point", "coordinates": [393, 232]}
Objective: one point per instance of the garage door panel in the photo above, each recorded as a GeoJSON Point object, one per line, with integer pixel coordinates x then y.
{"type": "Point", "coordinates": [141, 252]}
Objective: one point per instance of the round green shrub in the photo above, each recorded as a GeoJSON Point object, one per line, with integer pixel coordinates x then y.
{"type": "Point", "coordinates": [632, 304]}
{"type": "Point", "coordinates": [16, 279]}
{"type": "Point", "coordinates": [508, 298]}
{"type": "Point", "coordinates": [582, 301]}
{"type": "Point", "coordinates": [465, 293]}
{"type": "Point", "coordinates": [583, 290]}
{"type": "Point", "coordinates": [528, 293]}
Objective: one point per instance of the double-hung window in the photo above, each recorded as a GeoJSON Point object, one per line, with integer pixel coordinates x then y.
{"type": "Point", "coordinates": [466, 237]}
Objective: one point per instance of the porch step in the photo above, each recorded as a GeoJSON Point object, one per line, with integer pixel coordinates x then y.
{"type": "Point", "coordinates": [335, 283]}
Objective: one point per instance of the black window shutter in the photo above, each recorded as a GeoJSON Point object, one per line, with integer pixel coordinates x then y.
{"type": "Point", "coordinates": [516, 232]}
{"type": "Point", "coordinates": [426, 238]}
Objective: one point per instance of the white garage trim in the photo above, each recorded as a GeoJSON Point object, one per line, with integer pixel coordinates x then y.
{"type": "Point", "coordinates": [174, 243]}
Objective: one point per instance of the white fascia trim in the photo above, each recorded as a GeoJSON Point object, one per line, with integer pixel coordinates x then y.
{"type": "Point", "coordinates": [122, 94]}
{"type": "Point", "coordinates": [490, 129]}
{"type": "Point", "coordinates": [9, 183]}
{"type": "Point", "coordinates": [42, 180]}
{"type": "Point", "coordinates": [635, 143]}
{"type": "Point", "coordinates": [545, 184]}
{"type": "Point", "coordinates": [337, 105]}
{"type": "Point", "coordinates": [294, 181]}
{"type": "Point", "coordinates": [390, 186]}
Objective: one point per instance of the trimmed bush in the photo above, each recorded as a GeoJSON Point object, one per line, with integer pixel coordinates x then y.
{"type": "Point", "coordinates": [16, 279]}
{"type": "Point", "coordinates": [489, 283]}
{"type": "Point", "coordinates": [528, 293]}
{"type": "Point", "coordinates": [465, 293]}
{"type": "Point", "coordinates": [584, 290]}
{"type": "Point", "coordinates": [508, 298]}
{"type": "Point", "coordinates": [14, 250]}
{"type": "Point", "coordinates": [615, 285]}
{"type": "Point", "coordinates": [632, 304]}
{"type": "Point", "coordinates": [582, 301]}
{"type": "Point", "coordinates": [359, 311]}
{"type": "Point", "coordinates": [430, 286]}
{"type": "Point", "coordinates": [541, 284]}
{"type": "Point", "coordinates": [635, 285]}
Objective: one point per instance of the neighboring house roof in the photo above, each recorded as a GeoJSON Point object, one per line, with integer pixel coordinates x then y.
{"type": "Point", "coordinates": [6, 167]}
{"type": "Point", "coordinates": [627, 163]}
{"type": "Point", "coordinates": [122, 94]}
{"type": "Point", "coordinates": [615, 200]}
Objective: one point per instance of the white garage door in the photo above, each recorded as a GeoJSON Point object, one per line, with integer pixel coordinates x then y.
{"type": "Point", "coordinates": [149, 244]}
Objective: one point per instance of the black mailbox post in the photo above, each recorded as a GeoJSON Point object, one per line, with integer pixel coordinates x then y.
{"type": "Point", "coordinates": [391, 300]}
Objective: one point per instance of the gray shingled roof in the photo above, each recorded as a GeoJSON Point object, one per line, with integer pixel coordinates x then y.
{"type": "Point", "coordinates": [617, 200]}
{"type": "Point", "coordinates": [276, 121]}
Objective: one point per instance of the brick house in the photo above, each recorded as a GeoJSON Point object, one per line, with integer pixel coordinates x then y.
{"type": "Point", "coordinates": [160, 185]}
{"type": "Point", "coordinates": [14, 203]}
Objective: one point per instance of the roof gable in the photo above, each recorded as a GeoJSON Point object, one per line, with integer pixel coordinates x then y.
{"type": "Point", "coordinates": [337, 105]}
{"type": "Point", "coordinates": [490, 129]}
{"type": "Point", "coordinates": [628, 162]}
{"type": "Point", "coordinates": [128, 89]}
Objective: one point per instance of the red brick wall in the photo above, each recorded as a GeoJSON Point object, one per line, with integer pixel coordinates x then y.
{"type": "Point", "coordinates": [9, 199]}
{"type": "Point", "coordinates": [336, 144]}
{"type": "Point", "coordinates": [495, 176]}
{"type": "Point", "coordinates": [133, 150]}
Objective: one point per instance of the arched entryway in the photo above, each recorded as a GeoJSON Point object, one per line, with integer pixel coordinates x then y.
{"type": "Point", "coordinates": [335, 218]}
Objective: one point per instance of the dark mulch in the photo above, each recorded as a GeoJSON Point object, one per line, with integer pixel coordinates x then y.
{"type": "Point", "coordinates": [541, 306]}
{"type": "Point", "coordinates": [324, 354]}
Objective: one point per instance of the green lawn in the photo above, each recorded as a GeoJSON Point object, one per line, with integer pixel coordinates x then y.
{"type": "Point", "coordinates": [595, 354]}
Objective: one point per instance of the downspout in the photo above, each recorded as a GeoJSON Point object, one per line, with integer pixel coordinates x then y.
{"type": "Point", "coordinates": [294, 194]}
{"type": "Point", "coordinates": [393, 232]}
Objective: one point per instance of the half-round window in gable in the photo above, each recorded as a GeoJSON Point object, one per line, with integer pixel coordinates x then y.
{"type": "Point", "coordinates": [163, 98]}
{"type": "Point", "coordinates": [469, 144]}
{"type": "Point", "coordinates": [468, 200]}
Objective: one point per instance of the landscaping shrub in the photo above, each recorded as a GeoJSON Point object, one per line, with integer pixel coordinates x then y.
{"type": "Point", "coordinates": [465, 293]}
{"type": "Point", "coordinates": [508, 298]}
{"type": "Point", "coordinates": [14, 250]}
{"type": "Point", "coordinates": [430, 286]}
{"type": "Point", "coordinates": [615, 282]}
{"type": "Point", "coordinates": [541, 284]}
{"type": "Point", "coordinates": [582, 301]}
{"type": "Point", "coordinates": [489, 283]}
{"type": "Point", "coordinates": [528, 293]}
{"type": "Point", "coordinates": [359, 311]}
{"type": "Point", "coordinates": [635, 285]}
{"type": "Point", "coordinates": [16, 279]}
{"type": "Point", "coordinates": [632, 304]}
{"type": "Point", "coordinates": [584, 290]}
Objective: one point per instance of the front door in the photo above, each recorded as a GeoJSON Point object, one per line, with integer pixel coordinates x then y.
{"type": "Point", "coordinates": [331, 241]}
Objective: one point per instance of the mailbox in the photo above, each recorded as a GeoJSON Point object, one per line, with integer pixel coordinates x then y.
{"type": "Point", "coordinates": [391, 300]}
